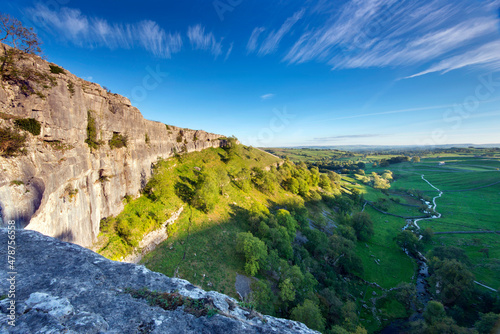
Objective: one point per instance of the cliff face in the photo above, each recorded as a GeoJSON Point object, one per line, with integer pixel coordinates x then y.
{"type": "Point", "coordinates": [67, 187]}
{"type": "Point", "coordinates": [64, 288]}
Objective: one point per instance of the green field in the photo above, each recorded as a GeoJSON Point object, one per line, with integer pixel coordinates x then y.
{"type": "Point", "coordinates": [470, 202]}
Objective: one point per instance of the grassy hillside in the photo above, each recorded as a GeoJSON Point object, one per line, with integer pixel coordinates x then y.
{"type": "Point", "coordinates": [305, 222]}
{"type": "Point", "coordinates": [163, 195]}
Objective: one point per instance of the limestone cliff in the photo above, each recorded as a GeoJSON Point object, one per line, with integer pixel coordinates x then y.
{"type": "Point", "coordinates": [62, 187]}
{"type": "Point", "coordinates": [64, 288]}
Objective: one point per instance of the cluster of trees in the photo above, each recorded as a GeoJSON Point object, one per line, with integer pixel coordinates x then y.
{"type": "Point", "coordinates": [297, 179]}
{"type": "Point", "coordinates": [341, 167]}
{"type": "Point", "coordinates": [459, 307]}
{"type": "Point", "coordinates": [393, 160]}
{"type": "Point", "coordinates": [302, 269]}
{"type": "Point", "coordinates": [303, 280]}
{"type": "Point", "coordinates": [375, 180]}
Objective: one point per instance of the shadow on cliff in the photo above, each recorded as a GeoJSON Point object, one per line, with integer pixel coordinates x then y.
{"type": "Point", "coordinates": [65, 236]}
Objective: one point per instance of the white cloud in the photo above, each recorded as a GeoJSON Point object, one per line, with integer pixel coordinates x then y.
{"type": "Point", "coordinates": [273, 39]}
{"type": "Point", "coordinates": [252, 42]}
{"type": "Point", "coordinates": [267, 96]}
{"type": "Point", "coordinates": [81, 30]}
{"type": "Point", "coordinates": [373, 33]}
{"type": "Point", "coordinates": [201, 41]}
{"type": "Point", "coordinates": [229, 51]}
{"type": "Point", "coordinates": [488, 54]}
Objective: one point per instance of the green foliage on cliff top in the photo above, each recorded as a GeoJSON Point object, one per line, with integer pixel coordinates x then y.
{"type": "Point", "coordinates": [54, 69]}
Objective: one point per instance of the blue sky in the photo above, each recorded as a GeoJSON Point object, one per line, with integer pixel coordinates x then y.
{"type": "Point", "coordinates": [289, 73]}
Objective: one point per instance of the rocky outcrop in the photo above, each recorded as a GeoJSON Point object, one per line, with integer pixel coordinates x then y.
{"type": "Point", "coordinates": [64, 288]}
{"type": "Point", "coordinates": [64, 188]}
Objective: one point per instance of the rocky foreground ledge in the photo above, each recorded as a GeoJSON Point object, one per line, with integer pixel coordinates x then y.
{"type": "Point", "coordinates": [64, 288]}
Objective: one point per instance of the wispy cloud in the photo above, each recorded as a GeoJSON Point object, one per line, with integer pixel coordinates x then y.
{"type": "Point", "coordinates": [204, 41]}
{"type": "Point", "coordinates": [82, 30]}
{"type": "Point", "coordinates": [266, 96]}
{"type": "Point", "coordinates": [488, 54]}
{"type": "Point", "coordinates": [252, 42]}
{"type": "Point", "coordinates": [272, 41]}
{"type": "Point", "coordinates": [229, 51]}
{"type": "Point", "coordinates": [335, 138]}
{"type": "Point", "coordinates": [372, 33]}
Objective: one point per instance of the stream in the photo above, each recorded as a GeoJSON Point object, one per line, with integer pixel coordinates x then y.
{"type": "Point", "coordinates": [423, 295]}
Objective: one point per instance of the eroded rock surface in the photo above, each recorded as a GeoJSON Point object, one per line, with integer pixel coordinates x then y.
{"type": "Point", "coordinates": [64, 288]}
{"type": "Point", "coordinates": [67, 188]}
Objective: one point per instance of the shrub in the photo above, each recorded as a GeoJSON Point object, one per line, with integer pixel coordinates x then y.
{"type": "Point", "coordinates": [91, 131]}
{"type": "Point", "coordinates": [16, 183]}
{"type": "Point", "coordinates": [70, 192]}
{"type": "Point", "coordinates": [118, 140]}
{"type": "Point", "coordinates": [146, 139]}
{"type": "Point", "coordinates": [29, 124]}
{"type": "Point", "coordinates": [56, 69]}
{"type": "Point", "coordinates": [71, 88]}
{"type": "Point", "coordinates": [179, 138]}
{"type": "Point", "coordinates": [11, 143]}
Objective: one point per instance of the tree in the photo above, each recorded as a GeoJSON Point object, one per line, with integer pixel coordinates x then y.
{"type": "Point", "coordinates": [350, 316]}
{"type": "Point", "coordinates": [379, 182]}
{"type": "Point", "coordinates": [427, 235]}
{"type": "Point", "coordinates": [206, 193]}
{"type": "Point", "coordinates": [303, 187]}
{"type": "Point", "coordinates": [363, 225]}
{"type": "Point", "coordinates": [334, 176]}
{"type": "Point", "coordinates": [221, 178]}
{"type": "Point", "coordinates": [287, 291]}
{"type": "Point", "coordinates": [405, 293]}
{"type": "Point", "coordinates": [452, 279]}
{"type": "Point", "coordinates": [434, 312]}
{"type": "Point", "coordinates": [242, 180]}
{"type": "Point", "coordinates": [292, 185]}
{"type": "Point", "coordinates": [254, 250]}
{"type": "Point", "coordinates": [449, 253]}
{"type": "Point", "coordinates": [286, 220]}
{"type": "Point", "coordinates": [415, 159]}
{"type": "Point", "coordinates": [262, 295]}
{"type": "Point", "coordinates": [387, 175]}
{"type": "Point", "coordinates": [486, 323]}
{"type": "Point", "coordinates": [310, 314]}
{"type": "Point", "coordinates": [280, 240]}
{"type": "Point", "coordinates": [384, 163]}
{"type": "Point", "coordinates": [314, 176]}
{"type": "Point", "coordinates": [408, 241]}
{"type": "Point", "coordinates": [325, 183]}
{"type": "Point", "coordinates": [13, 33]}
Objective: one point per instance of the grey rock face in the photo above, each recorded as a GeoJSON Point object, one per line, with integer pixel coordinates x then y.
{"type": "Point", "coordinates": [67, 191]}
{"type": "Point", "coordinates": [64, 288]}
